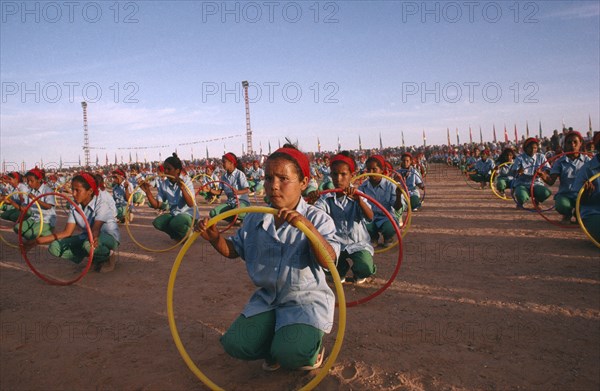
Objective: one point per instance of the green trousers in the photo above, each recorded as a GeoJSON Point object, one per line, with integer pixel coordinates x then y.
{"type": "Point", "coordinates": [31, 229]}
{"type": "Point", "coordinates": [502, 184]}
{"type": "Point", "coordinates": [255, 338]}
{"type": "Point", "coordinates": [217, 210]}
{"type": "Point", "coordinates": [76, 249]}
{"type": "Point", "coordinates": [540, 192]}
{"type": "Point", "coordinates": [176, 226]}
{"type": "Point", "coordinates": [362, 264]}
{"type": "Point", "coordinates": [12, 214]}
{"type": "Point", "coordinates": [387, 230]}
{"type": "Point", "coordinates": [564, 205]}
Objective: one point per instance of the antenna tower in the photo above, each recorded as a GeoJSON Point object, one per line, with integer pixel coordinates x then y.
{"type": "Point", "coordinates": [86, 139]}
{"type": "Point", "coordinates": [250, 151]}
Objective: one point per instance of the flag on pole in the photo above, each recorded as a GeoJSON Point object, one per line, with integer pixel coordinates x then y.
{"type": "Point", "coordinates": [242, 149]}
{"type": "Point", "coordinates": [495, 140]}
{"type": "Point", "coordinates": [80, 160]}
{"type": "Point", "coordinates": [339, 145]}
{"type": "Point", "coordinates": [424, 139]}
{"type": "Point", "coordinates": [563, 124]}
{"type": "Point", "coordinates": [526, 129]}
{"type": "Point", "coordinates": [191, 154]}
{"type": "Point", "coordinates": [359, 143]}
{"type": "Point", "coordinates": [224, 149]}
{"type": "Point", "coordinates": [540, 129]}
{"type": "Point", "coordinates": [516, 135]}
{"type": "Point", "coordinates": [115, 158]}
{"type": "Point", "coordinates": [146, 160]}
{"type": "Point", "coordinates": [403, 145]}
{"type": "Point", "coordinates": [106, 160]}
{"type": "Point", "coordinates": [590, 124]}
{"type": "Point", "coordinates": [279, 141]}
{"type": "Point", "coordinates": [97, 161]}
{"type": "Point", "coordinates": [130, 157]}
{"type": "Point", "coordinates": [121, 159]}
{"type": "Point", "coordinates": [269, 147]}
{"type": "Point", "coordinates": [136, 157]}
{"type": "Point", "coordinates": [470, 135]}
{"type": "Point", "coordinates": [380, 142]}
{"type": "Point", "coordinates": [505, 134]}
{"type": "Point", "coordinates": [457, 138]}
{"type": "Point", "coordinates": [207, 153]}
{"type": "Point", "coordinates": [260, 148]}
{"type": "Point", "coordinates": [448, 133]}
{"type": "Point", "coordinates": [159, 156]}
{"type": "Point", "coordinates": [59, 163]}
{"type": "Point", "coordinates": [318, 145]}
{"type": "Point", "coordinates": [480, 136]}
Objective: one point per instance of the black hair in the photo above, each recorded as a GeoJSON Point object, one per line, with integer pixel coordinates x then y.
{"type": "Point", "coordinates": [239, 164]}
{"type": "Point", "coordinates": [99, 180]}
{"type": "Point", "coordinates": [374, 159]}
{"type": "Point", "coordinates": [174, 161]}
{"type": "Point", "coordinates": [281, 155]}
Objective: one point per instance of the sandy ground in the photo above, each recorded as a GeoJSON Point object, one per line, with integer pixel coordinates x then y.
{"type": "Point", "coordinates": [488, 298]}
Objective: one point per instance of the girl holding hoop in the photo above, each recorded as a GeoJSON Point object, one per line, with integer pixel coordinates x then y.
{"type": "Point", "coordinates": [388, 195]}
{"type": "Point", "coordinates": [31, 225]}
{"type": "Point", "coordinates": [482, 169]}
{"type": "Point", "coordinates": [524, 168]}
{"type": "Point", "coordinates": [351, 213]}
{"type": "Point", "coordinates": [11, 210]}
{"type": "Point", "coordinates": [121, 193]}
{"type": "Point", "coordinates": [99, 215]}
{"type": "Point", "coordinates": [566, 168]}
{"type": "Point", "coordinates": [235, 177]}
{"type": "Point", "coordinates": [293, 298]}
{"type": "Point", "coordinates": [413, 180]}
{"type": "Point", "coordinates": [178, 191]}
{"type": "Point", "coordinates": [504, 179]}
{"type": "Point", "coordinates": [589, 208]}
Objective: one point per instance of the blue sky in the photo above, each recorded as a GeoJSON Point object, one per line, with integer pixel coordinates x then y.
{"type": "Point", "coordinates": [169, 73]}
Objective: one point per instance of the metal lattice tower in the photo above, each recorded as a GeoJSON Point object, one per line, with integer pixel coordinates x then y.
{"type": "Point", "coordinates": [250, 151]}
{"type": "Point", "coordinates": [86, 139]}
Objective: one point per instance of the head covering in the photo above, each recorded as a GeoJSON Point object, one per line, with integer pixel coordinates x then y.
{"type": "Point", "coordinates": [120, 172]}
{"type": "Point", "coordinates": [530, 140]}
{"type": "Point", "coordinates": [406, 154]}
{"type": "Point", "coordinates": [344, 159]}
{"type": "Point", "coordinates": [299, 157]}
{"type": "Point", "coordinates": [380, 160]}
{"type": "Point", "coordinates": [485, 152]}
{"type": "Point", "coordinates": [90, 181]}
{"type": "Point", "coordinates": [231, 157]}
{"type": "Point", "coordinates": [574, 133]}
{"type": "Point", "coordinates": [39, 174]}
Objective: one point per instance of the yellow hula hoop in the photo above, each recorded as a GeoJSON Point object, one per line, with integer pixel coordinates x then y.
{"type": "Point", "coordinates": [160, 250]}
{"type": "Point", "coordinates": [578, 213]}
{"type": "Point", "coordinates": [195, 178]}
{"type": "Point", "coordinates": [404, 229]}
{"type": "Point", "coordinates": [492, 184]}
{"type": "Point", "coordinates": [41, 217]}
{"type": "Point", "coordinates": [333, 270]}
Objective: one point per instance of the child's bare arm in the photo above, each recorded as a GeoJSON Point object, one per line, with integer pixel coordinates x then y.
{"type": "Point", "coordinates": [222, 245]}
{"type": "Point", "coordinates": [292, 216]}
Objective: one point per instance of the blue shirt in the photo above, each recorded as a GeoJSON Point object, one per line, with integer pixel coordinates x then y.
{"type": "Point", "coordinates": [566, 169]}
{"type": "Point", "coordinates": [484, 167]}
{"type": "Point", "coordinates": [529, 164]}
{"type": "Point", "coordinates": [49, 214]}
{"type": "Point", "coordinates": [412, 179]}
{"type": "Point", "coordinates": [591, 206]}
{"type": "Point", "coordinates": [385, 193]}
{"type": "Point", "coordinates": [238, 181]}
{"type": "Point", "coordinates": [281, 264]}
{"type": "Point", "coordinates": [118, 193]}
{"type": "Point", "coordinates": [96, 209]}
{"type": "Point", "coordinates": [350, 222]}
{"type": "Point", "coordinates": [172, 194]}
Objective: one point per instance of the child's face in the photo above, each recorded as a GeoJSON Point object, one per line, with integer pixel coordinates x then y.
{"type": "Point", "coordinates": [282, 184]}
{"type": "Point", "coordinates": [172, 172]}
{"type": "Point", "coordinates": [340, 175]}
{"type": "Point", "coordinates": [572, 144]}
{"type": "Point", "coordinates": [81, 195]}
{"type": "Point", "coordinates": [33, 182]}
{"type": "Point", "coordinates": [406, 162]}
{"type": "Point", "coordinates": [373, 168]}
{"type": "Point", "coordinates": [228, 165]}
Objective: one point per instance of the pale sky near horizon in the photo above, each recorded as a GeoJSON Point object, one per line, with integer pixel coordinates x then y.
{"type": "Point", "coordinates": [157, 73]}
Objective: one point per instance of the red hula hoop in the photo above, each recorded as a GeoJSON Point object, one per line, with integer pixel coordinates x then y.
{"type": "Point", "coordinates": [400, 249]}
{"type": "Point", "coordinates": [49, 280]}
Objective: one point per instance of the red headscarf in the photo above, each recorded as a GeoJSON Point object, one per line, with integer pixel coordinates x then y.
{"type": "Point", "coordinates": [574, 133]}
{"type": "Point", "coordinates": [39, 174]}
{"type": "Point", "coordinates": [380, 159]}
{"type": "Point", "coordinates": [229, 156]}
{"type": "Point", "coordinates": [530, 140]}
{"type": "Point", "coordinates": [299, 157]}
{"type": "Point", "coordinates": [345, 159]}
{"type": "Point", "coordinates": [90, 181]}
{"type": "Point", "coordinates": [120, 172]}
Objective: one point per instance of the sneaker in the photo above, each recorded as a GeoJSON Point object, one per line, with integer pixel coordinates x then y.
{"type": "Point", "coordinates": [266, 366]}
{"type": "Point", "coordinates": [360, 281]}
{"type": "Point", "coordinates": [317, 364]}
